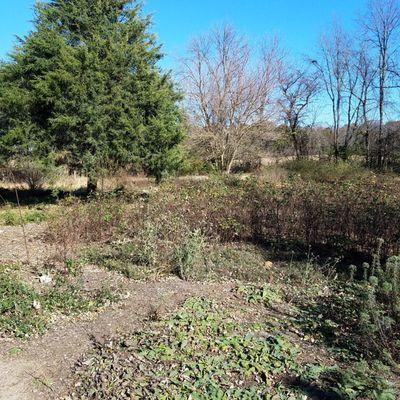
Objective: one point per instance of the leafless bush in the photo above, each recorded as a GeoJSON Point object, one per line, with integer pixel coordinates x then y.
{"type": "Point", "coordinates": [228, 94]}
{"type": "Point", "coordinates": [343, 216]}
{"type": "Point", "coordinates": [82, 223]}
{"type": "Point", "coordinates": [33, 173]}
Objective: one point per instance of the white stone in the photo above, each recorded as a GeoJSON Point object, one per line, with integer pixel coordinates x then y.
{"type": "Point", "coordinates": [37, 305]}
{"type": "Point", "coordinates": [45, 279]}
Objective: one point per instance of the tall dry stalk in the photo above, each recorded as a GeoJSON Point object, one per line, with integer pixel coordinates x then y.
{"type": "Point", "coordinates": [22, 225]}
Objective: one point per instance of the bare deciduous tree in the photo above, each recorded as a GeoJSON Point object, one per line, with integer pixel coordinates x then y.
{"type": "Point", "coordinates": [352, 109]}
{"type": "Point", "coordinates": [297, 90]}
{"type": "Point", "coordinates": [381, 25]}
{"type": "Point", "coordinates": [332, 68]}
{"type": "Point", "coordinates": [228, 92]}
{"type": "Point", "coordinates": [366, 72]}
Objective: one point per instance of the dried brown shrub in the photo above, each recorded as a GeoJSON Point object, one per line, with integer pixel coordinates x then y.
{"type": "Point", "coordinates": [81, 223]}
{"type": "Point", "coordinates": [343, 216]}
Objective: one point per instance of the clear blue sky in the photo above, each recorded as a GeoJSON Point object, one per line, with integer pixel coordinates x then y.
{"type": "Point", "coordinates": [297, 22]}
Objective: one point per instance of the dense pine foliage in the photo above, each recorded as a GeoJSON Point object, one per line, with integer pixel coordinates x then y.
{"type": "Point", "coordinates": [85, 84]}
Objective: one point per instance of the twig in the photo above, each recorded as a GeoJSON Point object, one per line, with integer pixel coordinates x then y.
{"type": "Point", "coordinates": [3, 199]}
{"type": "Point", "coordinates": [23, 226]}
{"type": "Point", "coordinates": [41, 381]}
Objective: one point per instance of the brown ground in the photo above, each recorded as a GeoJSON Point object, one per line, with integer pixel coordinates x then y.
{"type": "Point", "coordinates": [13, 249]}
{"type": "Point", "coordinates": [42, 367]}
{"type": "Point", "coordinates": [39, 368]}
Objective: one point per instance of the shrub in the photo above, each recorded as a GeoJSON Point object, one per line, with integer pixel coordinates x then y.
{"type": "Point", "coordinates": [34, 173]}
{"type": "Point", "coordinates": [339, 218]}
{"type": "Point", "coordinates": [217, 207]}
{"type": "Point", "coordinates": [380, 306]}
{"type": "Point", "coordinates": [189, 257]}
{"type": "Point", "coordinates": [328, 171]}
{"type": "Point", "coordinates": [194, 165]}
{"type": "Point", "coordinates": [346, 217]}
{"type": "Point", "coordinates": [80, 223]}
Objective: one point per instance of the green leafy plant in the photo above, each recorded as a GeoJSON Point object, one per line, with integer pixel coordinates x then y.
{"type": "Point", "coordinates": [189, 258]}
{"type": "Point", "coordinates": [380, 311]}
{"type": "Point", "coordinates": [11, 217]}
{"type": "Point", "coordinates": [362, 382]}
{"type": "Point", "coordinates": [23, 310]}
{"type": "Point", "coordinates": [259, 294]}
{"type": "Point", "coordinates": [17, 313]}
{"type": "Point", "coordinates": [197, 353]}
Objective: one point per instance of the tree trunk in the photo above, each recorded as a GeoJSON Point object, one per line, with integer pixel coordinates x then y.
{"type": "Point", "coordinates": [91, 184]}
{"type": "Point", "coordinates": [296, 145]}
{"type": "Point", "coordinates": [232, 158]}
{"type": "Point", "coordinates": [367, 148]}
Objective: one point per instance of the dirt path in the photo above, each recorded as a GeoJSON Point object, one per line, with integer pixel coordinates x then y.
{"type": "Point", "coordinates": [42, 366]}
{"type": "Point", "coordinates": [39, 369]}
{"type": "Point", "coordinates": [12, 244]}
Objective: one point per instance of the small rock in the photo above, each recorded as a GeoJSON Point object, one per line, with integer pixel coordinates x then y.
{"type": "Point", "coordinates": [45, 279]}
{"type": "Point", "coordinates": [37, 305]}
{"type": "Point", "coordinates": [268, 264]}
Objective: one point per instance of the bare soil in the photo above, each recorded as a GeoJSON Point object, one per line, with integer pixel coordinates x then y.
{"type": "Point", "coordinates": [13, 249]}
{"type": "Point", "coordinates": [42, 367]}
{"type": "Point", "coordinates": [39, 368]}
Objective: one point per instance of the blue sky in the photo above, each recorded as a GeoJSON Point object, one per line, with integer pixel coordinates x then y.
{"type": "Point", "coordinates": [297, 22]}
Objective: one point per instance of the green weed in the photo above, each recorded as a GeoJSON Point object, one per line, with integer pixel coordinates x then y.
{"type": "Point", "coordinates": [265, 294]}
{"type": "Point", "coordinates": [126, 258]}
{"type": "Point", "coordinates": [17, 313]}
{"type": "Point", "coordinates": [189, 257]}
{"type": "Point", "coordinates": [197, 353]}
{"type": "Point", "coordinates": [24, 311]}
{"type": "Point", "coordinates": [11, 217]}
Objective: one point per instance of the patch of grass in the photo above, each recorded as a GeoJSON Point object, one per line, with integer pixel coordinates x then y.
{"type": "Point", "coordinates": [74, 266]}
{"type": "Point", "coordinates": [43, 381]}
{"type": "Point", "coordinates": [17, 313]}
{"type": "Point", "coordinates": [306, 279]}
{"type": "Point", "coordinates": [10, 216]}
{"type": "Point", "coordinates": [69, 299]}
{"type": "Point", "coordinates": [191, 258]}
{"type": "Point", "coordinates": [15, 351]}
{"type": "Point", "coordinates": [24, 311]}
{"type": "Point", "coordinates": [243, 263]}
{"type": "Point", "coordinates": [123, 257]}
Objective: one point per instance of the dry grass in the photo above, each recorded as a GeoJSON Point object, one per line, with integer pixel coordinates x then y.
{"type": "Point", "coordinates": [70, 183]}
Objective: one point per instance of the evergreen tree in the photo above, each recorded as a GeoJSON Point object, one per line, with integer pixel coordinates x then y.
{"type": "Point", "coordinates": [85, 82]}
